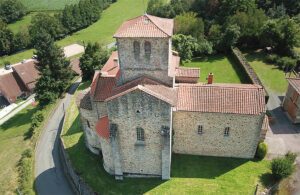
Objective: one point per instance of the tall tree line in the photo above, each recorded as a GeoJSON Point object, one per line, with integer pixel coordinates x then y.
{"type": "Point", "coordinates": [72, 18]}
{"type": "Point", "coordinates": [218, 25]}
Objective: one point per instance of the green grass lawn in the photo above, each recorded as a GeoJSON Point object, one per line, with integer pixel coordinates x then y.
{"type": "Point", "coordinates": [12, 144]}
{"type": "Point", "coordinates": [21, 24]}
{"type": "Point", "coordinates": [190, 174]}
{"type": "Point", "coordinates": [271, 77]}
{"type": "Point", "coordinates": [34, 5]}
{"type": "Point", "coordinates": [224, 68]}
{"type": "Point", "coordinates": [102, 31]}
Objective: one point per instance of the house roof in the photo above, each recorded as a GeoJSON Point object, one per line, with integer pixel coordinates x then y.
{"type": "Point", "coordinates": [295, 83]}
{"type": "Point", "coordinates": [11, 87]}
{"type": "Point", "coordinates": [83, 100]}
{"type": "Point", "coordinates": [104, 80]}
{"type": "Point", "coordinates": [147, 85]}
{"type": "Point", "coordinates": [75, 66]}
{"type": "Point", "coordinates": [102, 127]}
{"type": "Point", "coordinates": [28, 73]}
{"type": "Point", "coordinates": [187, 72]}
{"type": "Point", "coordinates": [222, 98]}
{"type": "Point", "coordinates": [146, 26]}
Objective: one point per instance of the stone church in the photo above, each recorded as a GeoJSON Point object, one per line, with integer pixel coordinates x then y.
{"type": "Point", "coordinates": [142, 106]}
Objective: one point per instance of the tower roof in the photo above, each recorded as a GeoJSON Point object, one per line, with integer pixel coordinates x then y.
{"type": "Point", "coordinates": [146, 26]}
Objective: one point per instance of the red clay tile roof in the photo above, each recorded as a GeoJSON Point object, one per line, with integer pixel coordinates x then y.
{"type": "Point", "coordinates": [28, 73]}
{"type": "Point", "coordinates": [102, 127]}
{"type": "Point", "coordinates": [75, 66]}
{"type": "Point", "coordinates": [105, 80]}
{"type": "Point", "coordinates": [11, 87]}
{"type": "Point", "coordinates": [154, 88]}
{"type": "Point", "coordinates": [187, 72]}
{"type": "Point", "coordinates": [295, 82]}
{"type": "Point", "coordinates": [146, 26]}
{"type": "Point", "coordinates": [222, 98]}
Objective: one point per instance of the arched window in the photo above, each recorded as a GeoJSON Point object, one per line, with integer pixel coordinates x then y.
{"type": "Point", "coordinates": [140, 134]}
{"type": "Point", "coordinates": [147, 49]}
{"type": "Point", "coordinates": [136, 49]}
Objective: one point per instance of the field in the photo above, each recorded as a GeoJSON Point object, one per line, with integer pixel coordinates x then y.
{"type": "Point", "coordinates": [102, 31]}
{"type": "Point", "coordinates": [190, 174]}
{"type": "Point", "coordinates": [271, 77]}
{"type": "Point", "coordinates": [37, 5]}
{"type": "Point", "coordinates": [225, 70]}
{"type": "Point", "coordinates": [12, 144]}
{"type": "Point", "coordinates": [21, 24]}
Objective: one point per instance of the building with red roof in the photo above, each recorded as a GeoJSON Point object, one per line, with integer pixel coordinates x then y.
{"type": "Point", "coordinates": [142, 106]}
{"type": "Point", "coordinates": [291, 102]}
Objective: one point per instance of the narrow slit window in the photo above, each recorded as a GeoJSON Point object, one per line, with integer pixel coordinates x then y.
{"type": "Point", "coordinates": [226, 131]}
{"type": "Point", "coordinates": [147, 49]}
{"type": "Point", "coordinates": [88, 124]}
{"type": "Point", "coordinates": [136, 49]}
{"type": "Point", "coordinates": [140, 134]}
{"type": "Point", "coordinates": [200, 129]}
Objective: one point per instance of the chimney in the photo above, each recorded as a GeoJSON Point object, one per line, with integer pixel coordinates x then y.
{"type": "Point", "coordinates": [210, 78]}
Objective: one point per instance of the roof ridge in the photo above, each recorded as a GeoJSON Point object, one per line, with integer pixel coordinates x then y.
{"type": "Point", "coordinates": [156, 24]}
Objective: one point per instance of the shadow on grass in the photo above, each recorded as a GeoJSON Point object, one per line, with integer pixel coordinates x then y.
{"type": "Point", "coordinates": [190, 166]}
{"type": "Point", "coordinates": [210, 58]}
{"type": "Point", "coordinates": [90, 168]}
{"type": "Point", "coordinates": [244, 78]}
{"type": "Point", "coordinates": [84, 85]}
{"type": "Point", "coordinates": [267, 180]}
{"type": "Point", "coordinates": [75, 127]}
{"type": "Point", "coordinates": [22, 118]}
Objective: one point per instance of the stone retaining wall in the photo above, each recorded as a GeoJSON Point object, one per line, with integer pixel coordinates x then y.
{"type": "Point", "coordinates": [239, 57]}
{"type": "Point", "coordinates": [77, 183]}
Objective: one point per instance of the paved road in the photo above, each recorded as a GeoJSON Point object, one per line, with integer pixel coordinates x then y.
{"type": "Point", "coordinates": [49, 176]}
{"type": "Point", "coordinates": [283, 137]}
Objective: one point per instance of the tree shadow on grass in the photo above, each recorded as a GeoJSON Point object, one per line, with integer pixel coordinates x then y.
{"type": "Point", "coordinates": [90, 168]}
{"type": "Point", "coordinates": [267, 180]}
{"type": "Point", "coordinates": [22, 118]}
{"type": "Point", "coordinates": [210, 58]}
{"type": "Point", "coordinates": [191, 166]}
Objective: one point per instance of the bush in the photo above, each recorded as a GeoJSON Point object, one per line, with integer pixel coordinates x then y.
{"type": "Point", "coordinates": [25, 172]}
{"type": "Point", "coordinates": [261, 150]}
{"type": "Point", "coordinates": [291, 157]}
{"type": "Point", "coordinates": [272, 58]}
{"type": "Point", "coordinates": [281, 167]}
{"type": "Point", "coordinates": [37, 119]}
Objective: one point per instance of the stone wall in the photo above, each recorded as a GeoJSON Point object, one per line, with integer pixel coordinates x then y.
{"type": "Point", "coordinates": [138, 109]}
{"type": "Point", "coordinates": [289, 106]}
{"type": "Point", "coordinates": [244, 134]}
{"type": "Point", "coordinates": [88, 123]}
{"type": "Point", "coordinates": [133, 67]}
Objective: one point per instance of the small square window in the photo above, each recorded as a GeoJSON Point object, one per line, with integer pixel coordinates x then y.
{"type": "Point", "coordinates": [226, 131]}
{"type": "Point", "coordinates": [200, 129]}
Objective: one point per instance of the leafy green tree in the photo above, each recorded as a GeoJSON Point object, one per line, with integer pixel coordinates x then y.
{"type": "Point", "coordinates": [6, 39]}
{"type": "Point", "coordinates": [46, 23]}
{"type": "Point", "coordinates": [21, 40]}
{"type": "Point", "coordinates": [250, 24]}
{"type": "Point", "coordinates": [11, 10]}
{"type": "Point", "coordinates": [93, 58]}
{"type": "Point", "coordinates": [55, 70]}
{"type": "Point", "coordinates": [189, 24]}
{"type": "Point", "coordinates": [281, 34]}
{"type": "Point", "coordinates": [186, 45]}
{"type": "Point", "coordinates": [231, 36]}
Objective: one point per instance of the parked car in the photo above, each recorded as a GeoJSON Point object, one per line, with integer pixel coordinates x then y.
{"type": "Point", "coordinates": [34, 57]}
